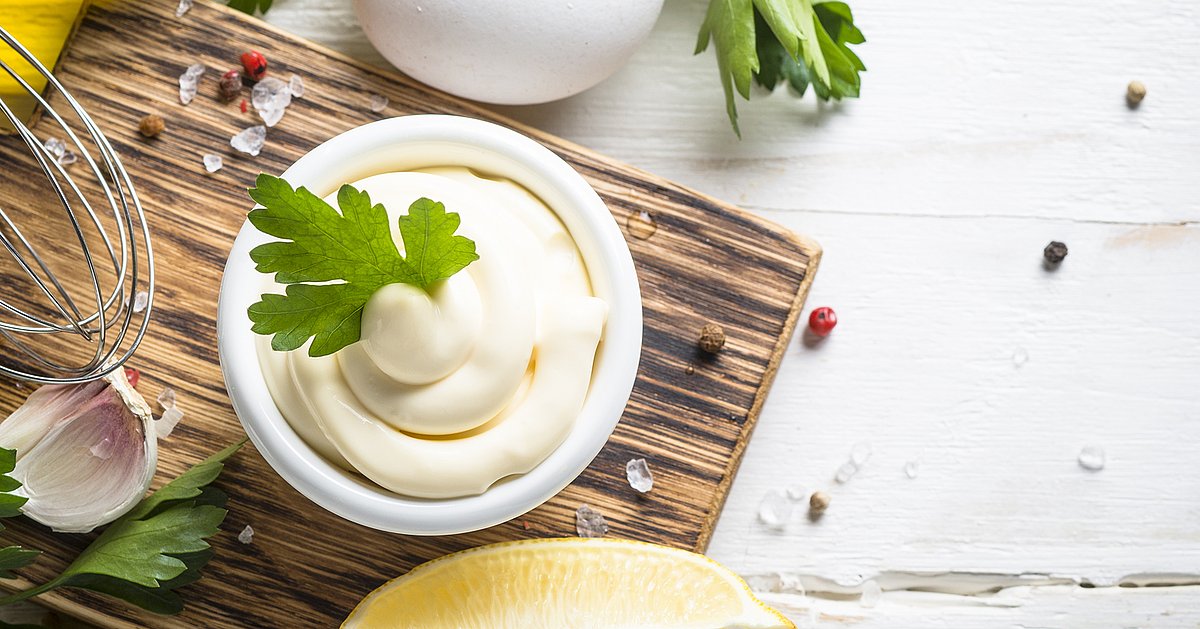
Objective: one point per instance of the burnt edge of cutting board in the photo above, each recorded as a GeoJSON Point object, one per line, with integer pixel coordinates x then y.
{"type": "Point", "coordinates": [118, 83]}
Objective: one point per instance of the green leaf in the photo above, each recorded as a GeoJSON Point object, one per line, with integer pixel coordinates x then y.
{"type": "Point", "coordinates": [730, 25]}
{"type": "Point", "coordinates": [10, 505]}
{"type": "Point", "coordinates": [250, 6]}
{"type": "Point", "coordinates": [431, 249]}
{"type": "Point", "coordinates": [811, 51]}
{"type": "Point", "coordinates": [353, 247]}
{"type": "Point", "coordinates": [837, 30]}
{"type": "Point", "coordinates": [9, 625]}
{"type": "Point", "coordinates": [780, 16]}
{"type": "Point", "coordinates": [323, 245]}
{"type": "Point", "coordinates": [159, 545]}
{"type": "Point", "coordinates": [186, 486]}
{"type": "Point", "coordinates": [330, 314]}
{"type": "Point", "coordinates": [140, 551]}
{"type": "Point", "coordinates": [769, 41]}
{"type": "Point", "coordinates": [839, 22]}
{"type": "Point", "coordinates": [161, 599]}
{"type": "Point", "coordinates": [13, 557]}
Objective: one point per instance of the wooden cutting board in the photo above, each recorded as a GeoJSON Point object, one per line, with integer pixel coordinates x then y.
{"type": "Point", "coordinates": [690, 416]}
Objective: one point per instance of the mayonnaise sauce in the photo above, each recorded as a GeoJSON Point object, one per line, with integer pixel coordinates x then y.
{"type": "Point", "coordinates": [478, 378]}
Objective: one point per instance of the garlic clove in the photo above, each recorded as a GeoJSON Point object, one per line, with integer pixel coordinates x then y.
{"type": "Point", "coordinates": [42, 410]}
{"type": "Point", "coordinates": [94, 457]}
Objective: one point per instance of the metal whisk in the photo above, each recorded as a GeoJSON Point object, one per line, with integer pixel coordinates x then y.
{"type": "Point", "coordinates": [104, 320]}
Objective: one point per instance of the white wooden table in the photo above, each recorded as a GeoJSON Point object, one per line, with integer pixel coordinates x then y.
{"type": "Point", "coordinates": [985, 130]}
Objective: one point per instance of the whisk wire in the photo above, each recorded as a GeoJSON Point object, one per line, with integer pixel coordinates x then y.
{"type": "Point", "coordinates": [130, 269]}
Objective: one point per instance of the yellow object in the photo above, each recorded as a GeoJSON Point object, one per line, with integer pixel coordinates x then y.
{"type": "Point", "coordinates": [566, 583]}
{"type": "Point", "coordinates": [42, 26]}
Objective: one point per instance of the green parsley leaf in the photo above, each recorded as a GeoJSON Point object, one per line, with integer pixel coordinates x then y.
{"type": "Point", "coordinates": [161, 599]}
{"type": "Point", "coordinates": [146, 554]}
{"type": "Point", "coordinates": [11, 557]}
{"type": "Point", "coordinates": [770, 41]}
{"type": "Point", "coordinates": [433, 251]}
{"type": "Point", "coordinates": [250, 6]}
{"type": "Point", "coordinates": [10, 505]}
{"type": "Point", "coordinates": [354, 248]}
{"type": "Point", "coordinates": [331, 314]}
{"type": "Point", "coordinates": [159, 545]}
{"type": "Point", "coordinates": [322, 245]}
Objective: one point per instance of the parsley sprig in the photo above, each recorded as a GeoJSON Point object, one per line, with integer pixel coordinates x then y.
{"type": "Point", "coordinates": [771, 41]}
{"type": "Point", "coordinates": [143, 555]}
{"type": "Point", "coordinates": [353, 248]}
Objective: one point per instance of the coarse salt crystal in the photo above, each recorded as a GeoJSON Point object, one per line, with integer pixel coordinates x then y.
{"type": "Point", "coordinates": [55, 147]}
{"type": "Point", "coordinates": [212, 163]}
{"type": "Point", "coordinates": [379, 102]}
{"type": "Point", "coordinates": [846, 472]}
{"type": "Point", "coordinates": [250, 140]}
{"type": "Point", "coordinates": [1092, 458]}
{"type": "Point", "coordinates": [589, 522]}
{"type": "Point", "coordinates": [247, 535]}
{"type": "Point", "coordinates": [184, 7]}
{"type": "Point", "coordinates": [637, 472]}
{"type": "Point", "coordinates": [775, 510]}
{"type": "Point", "coordinates": [167, 422]}
{"type": "Point", "coordinates": [271, 98]}
{"type": "Point", "coordinates": [296, 86]}
{"type": "Point", "coordinates": [102, 450]}
{"type": "Point", "coordinates": [189, 81]}
{"type": "Point", "coordinates": [140, 299]}
{"type": "Point", "coordinates": [912, 468]}
{"type": "Point", "coordinates": [166, 398]}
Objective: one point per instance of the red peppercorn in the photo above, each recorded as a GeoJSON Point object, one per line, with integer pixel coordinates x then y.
{"type": "Point", "coordinates": [244, 105]}
{"type": "Point", "coordinates": [822, 320]}
{"type": "Point", "coordinates": [255, 65]}
{"type": "Point", "coordinates": [132, 375]}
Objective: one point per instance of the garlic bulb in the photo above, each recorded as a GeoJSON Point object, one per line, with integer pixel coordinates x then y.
{"type": "Point", "coordinates": [85, 452]}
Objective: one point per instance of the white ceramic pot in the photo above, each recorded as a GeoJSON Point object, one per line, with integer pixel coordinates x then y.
{"type": "Point", "coordinates": [508, 52]}
{"type": "Point", "coordinates": [405, 143]}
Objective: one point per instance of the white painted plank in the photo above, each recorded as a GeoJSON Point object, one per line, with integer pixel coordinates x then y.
{"type": "Point", "coordinates": [931, 314]}
{"type": "Point", "coordinates": [1012, 108]}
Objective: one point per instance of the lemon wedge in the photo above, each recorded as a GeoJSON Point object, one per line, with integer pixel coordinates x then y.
{"type": "Point", "coordinates": [42, 26]}
{"type": "Point", "coordinates": [565, 583]}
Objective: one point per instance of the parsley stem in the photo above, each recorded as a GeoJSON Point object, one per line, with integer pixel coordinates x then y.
{"type": "Point", "coordinates": [31, 592]}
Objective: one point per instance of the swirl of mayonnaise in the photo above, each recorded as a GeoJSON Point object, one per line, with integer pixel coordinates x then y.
{"type": "Point", "coordinates": [478, 377]}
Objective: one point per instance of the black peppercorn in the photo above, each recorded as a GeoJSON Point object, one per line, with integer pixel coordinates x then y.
{"type": "Point", "coordinates": [1055, 252]}
{"type": "Point", "coordinates": [230, 85]}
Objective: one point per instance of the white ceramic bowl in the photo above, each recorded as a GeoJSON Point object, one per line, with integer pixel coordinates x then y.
{"type": "Point", "coordinates": [508, 52]}
{"type": "Point", "coordinates": [424, 141]}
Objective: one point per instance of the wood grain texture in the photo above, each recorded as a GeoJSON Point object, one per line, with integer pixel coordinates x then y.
{"type": "Point", "coordinates": [689, 415]}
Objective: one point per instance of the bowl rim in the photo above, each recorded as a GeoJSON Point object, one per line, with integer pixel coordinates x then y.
{"type": "Point", "coordinates": [610, 266]}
